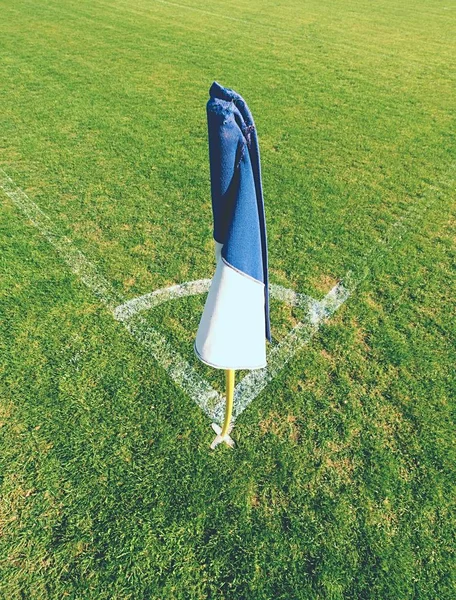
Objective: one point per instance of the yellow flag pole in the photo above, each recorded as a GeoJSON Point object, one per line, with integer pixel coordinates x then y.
{"type": "Point", "coordinates": [223, 434]}
{"type": "Point", "coordinates": [229, 378]}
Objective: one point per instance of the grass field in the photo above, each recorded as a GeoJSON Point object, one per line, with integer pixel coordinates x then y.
{"type": "Point", "coordinates": [341, 485]}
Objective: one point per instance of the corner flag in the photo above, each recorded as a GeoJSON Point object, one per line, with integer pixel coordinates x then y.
{"type": "Point", "coordinates": [235, 321]}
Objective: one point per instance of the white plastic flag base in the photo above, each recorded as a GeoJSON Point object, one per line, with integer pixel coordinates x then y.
{"type": "Point", "coordinates": [219, 439]}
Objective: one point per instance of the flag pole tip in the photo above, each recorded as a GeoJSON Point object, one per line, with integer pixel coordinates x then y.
{"type": "Point", "coordinates": [221, 438]}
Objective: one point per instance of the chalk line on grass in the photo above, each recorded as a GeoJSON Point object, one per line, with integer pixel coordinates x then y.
{"type": "Point", "coordinates": [318, 313]}
{"type": "Point", "coordinates": [181, 372]}
{"type": "Point", "coordinates": [278, 356]}
{"type": "Point", "coordinates": [128, 312]}
{"type": "Point", "coordinates": [75, 259]}
{"type": "Point", "coordinates": [255, 381]}
{"type": "Point", "coordinates": [177, 367]}
{"type": "Point", "coordinates": [135, 305]}
{"type": "Point", "coordinates": [200, 286]}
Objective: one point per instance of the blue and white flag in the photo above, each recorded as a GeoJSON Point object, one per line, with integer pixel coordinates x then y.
{"type": "Point", "coordinates": [235, 323]}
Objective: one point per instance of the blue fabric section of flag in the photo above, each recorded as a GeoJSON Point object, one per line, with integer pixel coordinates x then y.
{"type": "Point", "coordinates": [236, 188]}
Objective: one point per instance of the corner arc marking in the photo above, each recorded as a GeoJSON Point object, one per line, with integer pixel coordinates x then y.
{"type": "Point", "coordinates": [129, 309]}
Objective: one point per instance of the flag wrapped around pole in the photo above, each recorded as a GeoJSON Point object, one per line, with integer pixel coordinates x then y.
{"type": "Point", "coordinates": [235, 322]}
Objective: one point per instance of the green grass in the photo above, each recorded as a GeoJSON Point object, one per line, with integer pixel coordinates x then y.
{"type": "Point", "coordinates": [342, 482]}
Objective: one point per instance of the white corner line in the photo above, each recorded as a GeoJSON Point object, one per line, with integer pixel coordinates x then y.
{"type": "Point", "coordinates": [129, 309]}
{"type": "Point", "coordinates": [132, 307]}
{"type": "Point", "coordinates": [179, 370]}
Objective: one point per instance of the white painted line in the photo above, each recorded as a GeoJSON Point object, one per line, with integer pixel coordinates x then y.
{"type": "Point", "coordinates": [249, 388]}
{"type": "Point", "coordinates": [128, 312]}
{"type": "Point", "coordinates": [131, 307]}
{"type": "Point", "coordinates": [291, 297]}
{"type": "Point", "coordinates": [177, 367]}
{"type": "Point", "coordinates": [148, 301]}
{"type": "Point", "coordinates": [278, 356]}
{"type": "Point", "coordinates": [77, 262]}
{"type": "Point", "coordinates": [180, 371]}
{"type": "Point", "coordinates": [252, 24]}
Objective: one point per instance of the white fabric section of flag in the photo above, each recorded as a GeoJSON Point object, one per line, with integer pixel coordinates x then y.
{"type": "Point", "coordinates": [231, 333]}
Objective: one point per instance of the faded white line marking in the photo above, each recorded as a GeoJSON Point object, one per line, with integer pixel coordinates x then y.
{"type": "Point", "coordinates": [201, 286]}
{"type": "Point", "coordinates": [256, 381]}
{"type": "Point", "coordinates": [278, 355]}
{"type": "Point", "coordinates": [77, 262]}
{"type": "Point", "coordinates": [177, 367]}
{"type": "Point", "coordinates": [181, 372]}
{"type": "Point", "coordinates": [131, 307]}
{"type": "Point", "coordinates": [291, 297]}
